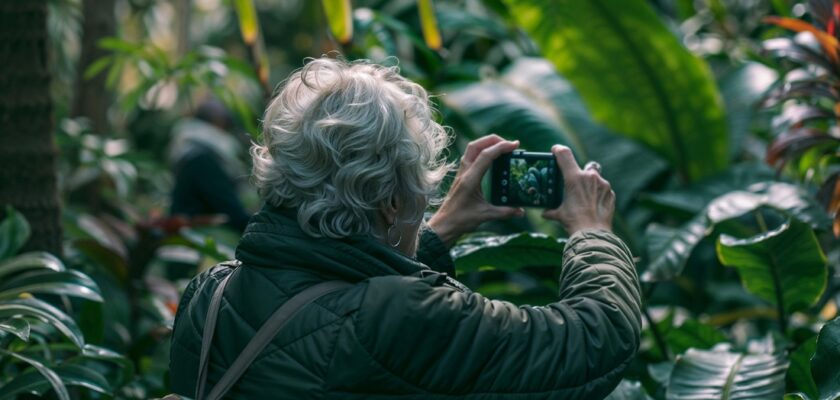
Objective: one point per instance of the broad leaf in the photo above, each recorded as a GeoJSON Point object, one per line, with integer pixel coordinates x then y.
{"type": "Point", "coordinates": [248, 24]}
{"type": "Point", "coordinates": [702, 374]}
{"type": "Point", "coordinates": [68, 283]}
{"type": "Point", "coordinates": [649, 87]}
{"type": "Point", "coordinates": [124, 366]}
{"type": "Point", "coordinates": [824, 364]}
{"type": "Point", "coordinates": [784, 266]}
{"type": "Point", "coordinates": [670, 248]}
{"type": "Point", "coordinates": [511, 252]}
{"type": "Point", "coordinates": [14, 232]}
{"type": "Point", "coordinates": [31, 307]}
{"type": "Point", "coordinates": [629, 390]}
{"type": "Point", "coordinates": [16, 326]}
{"type": "Point", "coordinates": [30, 261]}
{"type": "Point", "coordinates": [10, 390]}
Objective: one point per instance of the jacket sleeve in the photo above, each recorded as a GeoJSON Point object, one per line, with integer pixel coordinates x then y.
{"type": "Point", "coordinates": [441, 340]}
{"type": "Point", "coordinates": [434, 253]}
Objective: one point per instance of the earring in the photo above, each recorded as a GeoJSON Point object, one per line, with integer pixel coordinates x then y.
{"type": "Point", "coordinates": [399, 239]}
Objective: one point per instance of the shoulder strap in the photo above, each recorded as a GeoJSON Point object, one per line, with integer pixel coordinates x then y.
{"type": "Point", "coordinates": [264, 335]}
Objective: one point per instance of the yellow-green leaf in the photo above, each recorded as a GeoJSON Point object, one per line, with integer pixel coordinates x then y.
{"type": "Point", "coordinates": [248, 24]}
{"type": "Point", "coordinates": [340, 16]}
{"type": "Point", "coordinates": [428, 22]}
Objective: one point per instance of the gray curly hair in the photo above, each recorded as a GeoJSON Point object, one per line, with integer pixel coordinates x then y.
{"type": "Point", "coordinates": [342, 139]}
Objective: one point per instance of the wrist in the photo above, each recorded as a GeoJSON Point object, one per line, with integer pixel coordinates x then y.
{"type": "Point", "coordinates": [446, 231]}
{"type": "Point", "coordinates": [571, 230]}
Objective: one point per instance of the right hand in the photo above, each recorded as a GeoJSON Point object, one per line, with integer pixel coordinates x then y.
{"type": "Point", "coordinates": [588, 200]}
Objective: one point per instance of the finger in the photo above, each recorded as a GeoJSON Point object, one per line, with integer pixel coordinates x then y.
{"type": "Point", "coordinates": [486, 157]}
{"type": "Point", "coordinates": [565, 160]}
{"type": "Point", "coordinates": [475, 147]}
{"type": "Point", "coordinates": [497, 212]}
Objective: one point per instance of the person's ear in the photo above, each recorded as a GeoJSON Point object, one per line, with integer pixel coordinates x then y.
{"type": "Point", "coordinates": [389, 211]}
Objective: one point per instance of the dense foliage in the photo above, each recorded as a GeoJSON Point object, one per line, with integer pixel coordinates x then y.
{"type": "Point", "coordinates": [716, 128]}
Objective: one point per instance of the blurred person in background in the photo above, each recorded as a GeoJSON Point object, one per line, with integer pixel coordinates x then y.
{"type": "Point", "coordinates": [351, 157]}
{"type": "Point", "coordinates": [205, 159]}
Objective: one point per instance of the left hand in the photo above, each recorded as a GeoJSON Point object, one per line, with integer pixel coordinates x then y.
{"type": "Point", "coordinates": [465, 206]}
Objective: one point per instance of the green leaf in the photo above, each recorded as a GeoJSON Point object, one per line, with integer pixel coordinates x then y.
{"type": "Point", "coordinates": [511, 252]}
{"type": "Point", "coordinates": [629, 390]}
{"type": "Point", "coordinates": [248, 24]}
{"type": "Point", "coordinates": [43, 311]}
{"type": "Point", "coordinates": [14, 232]}
{"type": "Point", "coordinates": [68, 283]}
{"type": "Point", "coordinates": [670, 248]}
{"type": "Point", "coordinates": [124, 366]}
{"type": "Point", "coordinates": [824, 365]}
{"type": "Point", "coordinates": [340, 17]}
{"type": "Point", "coordinates": [98, 66]}
{"type": "Point", "coordinates": [36, 260]}
{"type": "Point", "coordinates": [12, 389]}
{"type": "Point", "coordinates": [70, 375]}
{"type": "Point", "coordinates": [635, 77]}
{"type": "Point", "coordinates": [799, 372]}
{"type": "Point", "coordinates": [700, 374]}
{"type": "Point", "coordinates": [784, 266]}
{"type": "Point", "coordinates": [16, 326]}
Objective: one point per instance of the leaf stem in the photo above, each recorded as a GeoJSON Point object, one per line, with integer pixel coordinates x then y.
{"type": "Point", "coordinates": [657, 335]}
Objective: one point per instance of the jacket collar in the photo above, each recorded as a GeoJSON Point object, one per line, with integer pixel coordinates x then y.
{"type": "Point", "coordinates": [273, 239]}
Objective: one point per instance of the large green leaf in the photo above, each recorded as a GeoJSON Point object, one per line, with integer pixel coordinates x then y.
{"type": "Point", "coordinates": [68, 283]}
{"type": "Point", "coordinates": [511, 252]}
{"type": "Point", "coordinates": [723, 375]}
{"type": "Point", "coordinates": [14, 232]}
{"type": "Point", "coordinates": [670, 248]}
{"type": "Point", "coordinates": [824, 364]}
{"type": "Point", "coordinates": [30, 261]}
{"type": "Point", "coordinates": [784, 266]}
{"type": "Point", "coordinates": [688, 334]}
{"type": "Point", "coordinates": [11, 389]}
{"type": "Point", "coordinates": [34, 308]}
{"type": "Point", "coordinates": [634, 76]}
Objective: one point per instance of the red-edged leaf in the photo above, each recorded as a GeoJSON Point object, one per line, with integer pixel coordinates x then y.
{"type": "Point", "coordinates": [828, 42]}
{"type": "Point", "coordinates": [793, 142]}
{"type": "Point", "coordinates": [789, 49]}
{"type": "Point", "coordinates": [805, 88]}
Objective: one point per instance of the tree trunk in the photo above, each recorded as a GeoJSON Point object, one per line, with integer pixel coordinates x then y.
{"type": "Point", "coordinates": [27, 149]}
{"type": "Point", "coordinates": [92, 96]}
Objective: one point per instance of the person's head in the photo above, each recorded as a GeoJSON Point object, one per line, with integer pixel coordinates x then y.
{"type": "Point", "coordinates": [214, 112]}
{"type": "Point", "coordinates": [355, 148]}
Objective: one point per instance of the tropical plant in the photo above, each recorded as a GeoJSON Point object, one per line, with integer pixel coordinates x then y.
{"type": "Point", "coordinates": [42, 347]}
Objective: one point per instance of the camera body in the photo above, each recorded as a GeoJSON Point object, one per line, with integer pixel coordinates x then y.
{"type": "Point", "coordinates": [526, 179]}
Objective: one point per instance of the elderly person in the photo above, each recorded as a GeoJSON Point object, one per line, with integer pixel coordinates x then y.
{"type": "Point", "coordinates": [350, 160]}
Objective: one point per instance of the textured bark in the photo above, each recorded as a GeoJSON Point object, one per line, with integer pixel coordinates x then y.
{"type": "Point", "coordinates": [92, 96]}
{"type": "Point", "coordinates": [27, 148]}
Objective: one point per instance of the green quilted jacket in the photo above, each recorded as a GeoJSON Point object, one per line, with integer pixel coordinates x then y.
{"type": "Point", "coordinates": [406, 329]}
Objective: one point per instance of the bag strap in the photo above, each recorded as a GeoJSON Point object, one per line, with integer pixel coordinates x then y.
{"type": "Point", "coordinates": [264, 335]}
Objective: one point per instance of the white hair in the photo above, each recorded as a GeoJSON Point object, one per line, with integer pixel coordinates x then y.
{"type": "Point", "coordinates": [343, 139]}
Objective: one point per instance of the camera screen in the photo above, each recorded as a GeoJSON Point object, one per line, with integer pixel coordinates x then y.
{"type": "Point", "coordinates": [531, 182]}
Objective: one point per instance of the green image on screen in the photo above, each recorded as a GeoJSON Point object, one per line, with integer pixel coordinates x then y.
{"type": "Point", "coordinates": [531, 183]}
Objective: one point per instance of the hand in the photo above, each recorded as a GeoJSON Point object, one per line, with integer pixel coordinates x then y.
{"type": "Point", "coordinates": [465, 207]}
{"type": "Point", "coordinates": [588, 200]}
